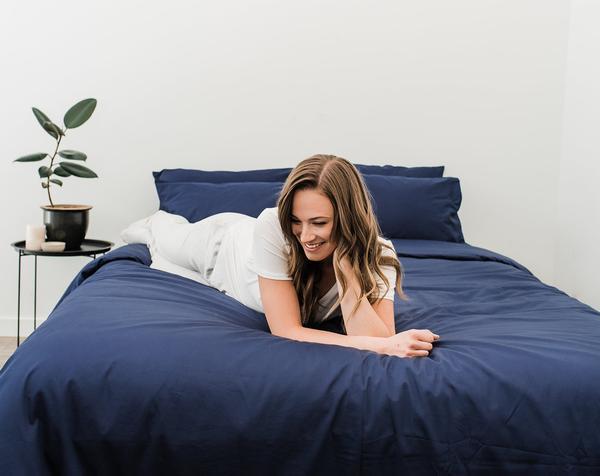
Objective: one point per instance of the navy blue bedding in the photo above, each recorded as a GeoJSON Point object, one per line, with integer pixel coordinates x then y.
{"type": "Point", "coordinates": [138, 371]}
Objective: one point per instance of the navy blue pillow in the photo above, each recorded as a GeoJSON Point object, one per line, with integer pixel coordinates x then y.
{"type": "Point", "coordinates": [221, 176]}
{"type": "Point", "coordinates": [406, 207]}
{"type": "Point", "coordinates": [279, 175]}
{"type": "Point", "coordinates": [196, 201]}
{"type": "Point", "coordinates": [400, 171]}
{"type": "Point", "coordinates": [417, 208]}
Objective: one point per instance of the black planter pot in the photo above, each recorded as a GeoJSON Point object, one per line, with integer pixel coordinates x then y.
{"type": "Point", "coordinates": [68, 223]}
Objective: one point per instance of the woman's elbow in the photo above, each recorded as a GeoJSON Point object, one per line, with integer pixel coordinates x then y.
{"type": "Point", "coordinates": [288, 332]}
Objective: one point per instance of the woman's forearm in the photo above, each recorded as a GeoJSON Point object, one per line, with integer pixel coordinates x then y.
{"type": "Point", "coordinates": [365, 321]}
{"type": "Point", "coordinates": [305, 334]}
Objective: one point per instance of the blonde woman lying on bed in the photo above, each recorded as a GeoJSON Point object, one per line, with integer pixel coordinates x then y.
{"type": "Point", "coordinates": [314, 257]}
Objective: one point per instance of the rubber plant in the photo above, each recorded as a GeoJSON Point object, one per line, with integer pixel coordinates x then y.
{"type": "Point", "coordinates": [64, 166]}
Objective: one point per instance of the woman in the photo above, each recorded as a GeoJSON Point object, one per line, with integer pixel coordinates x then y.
{"type": "Point", "coordinates": [329, 243]}
{"type": "Point", "coordinates": [318, 255]}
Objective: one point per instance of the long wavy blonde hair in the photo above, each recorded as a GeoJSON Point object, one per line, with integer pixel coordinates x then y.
{"type": "Point", "coordinates": [355, 232]}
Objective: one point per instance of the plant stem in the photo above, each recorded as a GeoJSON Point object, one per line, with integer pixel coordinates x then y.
{"type": "Point", "coordinates": [51, 162]}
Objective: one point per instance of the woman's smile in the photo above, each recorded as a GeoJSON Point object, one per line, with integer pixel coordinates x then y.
{"type": "Point", "coordinates": [312, 247]}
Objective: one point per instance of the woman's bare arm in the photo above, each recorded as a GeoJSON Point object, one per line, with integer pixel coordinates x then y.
{"type": "Point", "coordinates": [282, 310]}
{"type": "Point", "coordinates": [366, 321]}
{"type": "Point", "coordinates": [385, 310]}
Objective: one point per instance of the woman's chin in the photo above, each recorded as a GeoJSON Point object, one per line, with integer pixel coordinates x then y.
{"type": "Point", "coordinates": [311, 256]}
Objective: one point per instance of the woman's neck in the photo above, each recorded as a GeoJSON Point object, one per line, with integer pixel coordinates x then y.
{"type": "Point", "coordinates": [326, 280]}
{"type": "Point", "coordinates": [327, 268]}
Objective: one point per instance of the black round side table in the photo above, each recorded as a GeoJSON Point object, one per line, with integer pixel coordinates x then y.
{"type": "Point", "coordinates": [89, 248]}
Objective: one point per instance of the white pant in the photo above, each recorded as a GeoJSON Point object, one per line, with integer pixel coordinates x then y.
{"type": "Point", "coordinates": [180, 247]}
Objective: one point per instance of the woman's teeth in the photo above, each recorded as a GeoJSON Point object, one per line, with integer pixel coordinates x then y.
{"type": "Point", "coordinates": [314, 246]}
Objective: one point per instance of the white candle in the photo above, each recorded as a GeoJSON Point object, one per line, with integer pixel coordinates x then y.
{"type": "Point", "coordinates": [34, 237]}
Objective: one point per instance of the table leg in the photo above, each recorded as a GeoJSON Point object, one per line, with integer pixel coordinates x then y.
{"type": "Point", "coordinates": [35, 294]}
{"type": "Point", "coordinates": [19, 301]}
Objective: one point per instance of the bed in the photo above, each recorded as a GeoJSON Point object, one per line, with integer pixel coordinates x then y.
{"type": "Point", "coordinates": [141, 371]}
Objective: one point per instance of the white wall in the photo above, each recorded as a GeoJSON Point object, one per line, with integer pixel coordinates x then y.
{"type": "Point", "coordinates": [476, 85]}
{"type": "Point", "coordinates": [578, 229]}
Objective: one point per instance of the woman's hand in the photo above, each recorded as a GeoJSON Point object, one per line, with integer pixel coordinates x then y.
{"type": "Point", "coordinates": [412, 343]}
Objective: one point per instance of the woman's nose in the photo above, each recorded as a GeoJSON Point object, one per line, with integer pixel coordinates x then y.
{"type": "Point", "coordinates": [306, 236]}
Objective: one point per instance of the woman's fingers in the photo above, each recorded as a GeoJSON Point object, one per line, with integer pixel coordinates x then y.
{"type": "Point", "coordinates": [418, 353]}
{"type": "Point", "coordinates": [421, 345]}
{"type": "Point", "coordinates": [424, 335]}
{"type": "Point", "coordinates": [411, 343]}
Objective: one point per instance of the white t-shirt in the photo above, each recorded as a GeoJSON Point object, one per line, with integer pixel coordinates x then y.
{"type": "Point", "coordinates": [256, 246]}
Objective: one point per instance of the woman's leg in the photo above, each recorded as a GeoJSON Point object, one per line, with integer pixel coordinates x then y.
{"type": "Point", "coordinates": [191, 245]}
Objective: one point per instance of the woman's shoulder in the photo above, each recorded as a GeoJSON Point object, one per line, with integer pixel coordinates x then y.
{"type": "Point", "coordinates": [388, 250]}
{"type": "Point", "coordinates": [268, 226]}
{"type": "Point", "coordinates": [268, 215]}
{"type": "Point", "coordinates": [269, 249]}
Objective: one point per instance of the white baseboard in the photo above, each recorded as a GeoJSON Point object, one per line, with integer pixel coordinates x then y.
{"type": "Point", "coordinates": [8, 325]}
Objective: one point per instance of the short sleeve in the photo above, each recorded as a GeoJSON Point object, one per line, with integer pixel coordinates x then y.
{"type": "Point", "coordinates": [388, 271]}
{"type": "Point", "coordinates": [269, 247]}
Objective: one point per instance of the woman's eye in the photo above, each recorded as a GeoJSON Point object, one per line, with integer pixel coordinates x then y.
{"type": "Point", "coordinates": [319, 223]}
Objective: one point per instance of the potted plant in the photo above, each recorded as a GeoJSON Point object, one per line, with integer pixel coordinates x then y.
{"type": "Point", "coordinates": [64, 222]}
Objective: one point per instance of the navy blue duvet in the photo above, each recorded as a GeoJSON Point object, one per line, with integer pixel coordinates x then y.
{"type": "Point", "coordinates": [138, 371]}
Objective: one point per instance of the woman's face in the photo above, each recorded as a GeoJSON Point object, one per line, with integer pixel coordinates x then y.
{"type": "Point", "coordinates": [312, 222]}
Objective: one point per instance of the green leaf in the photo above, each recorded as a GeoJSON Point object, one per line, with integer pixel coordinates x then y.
{"type": "Point", "coordinates": [31, 157]}
{"type": "Point", "coordinates": [56, 181]}
{"type": "Point", "coordinates": [53, 129]}
{"type": "Point", "coordinates": [43, 119]}
{"type": "Point", "coordinates": [72, 155]}
{"type": "Point", "coordinates": [44, 171]}
{"type": "Point", "coordinates": [78, 170]}
{"type": "Point", "coordinates": [79, 113]}
{"type": "Point", "coordinates": [61, 172]}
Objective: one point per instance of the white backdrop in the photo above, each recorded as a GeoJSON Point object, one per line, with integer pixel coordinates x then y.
{"type": "Point", "coordinates": [578, 225]}
{"type": "Point", "coordinates": [476, 85]}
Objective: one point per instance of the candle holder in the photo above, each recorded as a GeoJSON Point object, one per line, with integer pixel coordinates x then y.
{"type": "Point", "coordinates": [35, 235]}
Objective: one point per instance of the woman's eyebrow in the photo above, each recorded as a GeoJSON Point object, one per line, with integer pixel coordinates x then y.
{"type": "Point", "coordinates": [312, 219]}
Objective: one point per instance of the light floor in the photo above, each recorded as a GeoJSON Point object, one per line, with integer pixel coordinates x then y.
{"type": "Point", "coordinates": [7, 347]}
